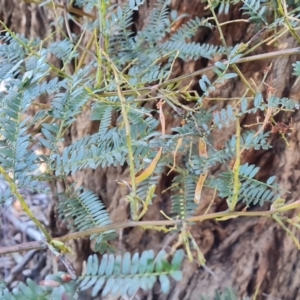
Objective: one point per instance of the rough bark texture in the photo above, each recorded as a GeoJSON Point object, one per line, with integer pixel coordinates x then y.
{"type": "Point", "coordinates": [242, 253]}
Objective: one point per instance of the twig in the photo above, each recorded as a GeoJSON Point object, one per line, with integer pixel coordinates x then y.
{"type": "Point", "coordinates": [144, 90]}
{"type": "Point", "coordinates": [219, 216]}
{"type": "Point", "coordinates": [39, 245]}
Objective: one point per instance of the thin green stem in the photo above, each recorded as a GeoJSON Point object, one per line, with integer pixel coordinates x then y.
{"type": "Point", "coordinates": [237, 70]}
{"type": "Point", "coordinates": [288, 231]}
{"type": "Point", "coordinates": [219, 28]}
{"type": "Point", "coordinates": [236, 169]}
{"type": "Point", "coordinates": [73, 51]}
{"type": "Point", "coordinates": [283, 13]}
{"type": "Point", "coordinates": [134, 202]}
{"type": "Point", "coordinates": [23, 203]}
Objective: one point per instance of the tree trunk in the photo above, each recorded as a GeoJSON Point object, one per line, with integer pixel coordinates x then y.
{"type": "Point", "coordinates": [245, 254]}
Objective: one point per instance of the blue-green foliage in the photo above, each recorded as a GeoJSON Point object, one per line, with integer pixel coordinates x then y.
{"type": "Point", "coordinates": [183, 204]}
{"type": "Point", "coordinates": [251, 191]}
{"type": "Point", "coordinates": [125, 274]}
{"type": "Point", "coordinates": [255, 10]}
{"type": "Point", "coordinates": [113, 274]}
{"type": "Point", "coordinates": [189, 29]}
{"type": "Point", "coordinates": [24, 77]}
{"type": "Point", "coordinates": [15, 153]}
{"type": "Point", "coordinates": [147, 55]}
{"type": "Point", "coordinates": [191, 50]}
{"type": "Point", "coordinates": [296, 66]}
{"type": "Point", "coordinates": [158, 23]}
{"type": "Point", "coordinates": [145, 186]}
{"type": "Point", "coordinates": [32, 290]}
{"type": "Point", "coordinates": [63, 50]}
{"type": "Point", "coordinates": [83, 210]}
{"type": "Point", "coordinates": [220, 69]}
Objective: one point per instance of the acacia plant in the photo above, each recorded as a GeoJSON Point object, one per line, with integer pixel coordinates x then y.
{"type": "Point", "coordinates": [128, 74]}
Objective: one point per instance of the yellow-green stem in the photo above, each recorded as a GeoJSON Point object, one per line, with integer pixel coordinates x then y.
{"type": "Point", "coordinates": [23, 203]}
{"type": "Point", "coordinates": [237, 70]}
{"type": "Point", "coordinates": [283, 14]}
{"type": "Point", "coordinates": [236, 182]}
{"type": "Point", "coordinates": [134, 203]}
{"type": "Point", "coordinates": [219, 28]}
